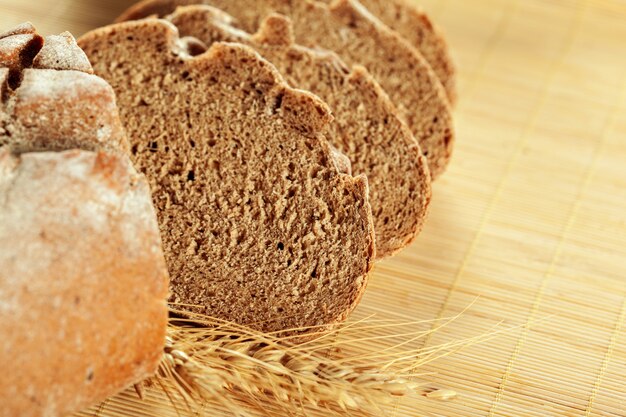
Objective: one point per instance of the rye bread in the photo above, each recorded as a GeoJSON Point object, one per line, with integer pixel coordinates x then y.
{"type": "Point", "coordinates": [415, 25]}
{"type": "Point", "coordinates": [83, 283]}
{"type": "Point", "coordinates": [259, 226]}
{"type": "Point", "coordinates": [366, 127]}
{"type": "Point", "coordinates": [347, 28]}
{"type": "Point", "coordinates": [50, 99]}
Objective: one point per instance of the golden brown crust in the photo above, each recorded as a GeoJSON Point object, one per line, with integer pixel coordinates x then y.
{"type": "Point", "coordinates": [60, 52]}
{"type": "Point", "coordinates": [82, 281]}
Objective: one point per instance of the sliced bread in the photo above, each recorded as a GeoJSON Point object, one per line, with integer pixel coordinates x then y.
{"type": "Point", "coordinates": [259, 226]}
{"type": "Point", "coordinates": [366, 127]}
{"type": "Point", "coordinates": [347, 28]}
{"type": "Point", "coordinates": [415, 25]}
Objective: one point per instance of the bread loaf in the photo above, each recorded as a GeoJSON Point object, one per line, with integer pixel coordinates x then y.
{"type": "Point", "coordinates": [259, 226]}
{"type": "Point", "coordinates": [347, 28]}
{"type": "Point", "coordinates": [83, 283]}
{"type": "Point", "coordinates": [366, 127]}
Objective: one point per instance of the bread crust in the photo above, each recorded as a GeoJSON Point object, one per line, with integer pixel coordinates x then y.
{"type": "Point", "coordinates": [417, 27]}
{"type": "Point", "coordinates": [359, 38]}
{"type": "Point", "coordinates": [50, 98]}
{"type": "Point", "coordinates": [82, 281]}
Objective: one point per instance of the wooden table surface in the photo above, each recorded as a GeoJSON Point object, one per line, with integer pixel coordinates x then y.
{"type": "Point", "coordinates": [529, 222]}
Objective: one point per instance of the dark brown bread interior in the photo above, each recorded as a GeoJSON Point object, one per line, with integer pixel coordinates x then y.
{"type": "Point", "coordinates": [259, 226]}
{"type": "Point", "coordinates": [365, 128]}
{"type": "Point", "coordinates": [347, 28]}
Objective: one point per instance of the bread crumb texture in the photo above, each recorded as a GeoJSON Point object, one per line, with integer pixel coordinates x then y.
{"type": "Point", "coordinates": [258, 224]}
{"type": "Point", "coordinates": [359, 38]}
{"type": "Point", "coordinates": [366, 126]}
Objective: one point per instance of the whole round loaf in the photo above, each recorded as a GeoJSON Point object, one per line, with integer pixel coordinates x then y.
{"type": "Point", "coordinates": [83, 281]}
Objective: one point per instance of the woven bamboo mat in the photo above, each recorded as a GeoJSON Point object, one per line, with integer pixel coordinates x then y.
{"type": "Point", "coordinates": [529, 223]}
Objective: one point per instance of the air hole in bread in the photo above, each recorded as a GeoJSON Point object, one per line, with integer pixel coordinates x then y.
{"type": "Point", "coordinates": [195, 48]}
{"type": "Point", "coordinates": [280, 246]}
{"type": "Point", "coordinates": [278, 103]}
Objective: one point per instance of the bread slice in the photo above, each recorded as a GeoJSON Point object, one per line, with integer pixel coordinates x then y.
{"type": "Point", "coordinates": [83, 282]}
{"type": "Point", "coordinates": [50, 99]}
{"type": "Point", "coordinates": [366, 127]}
{"type": "Point", "coordinates": [415, 25]}
{"type": "Point", "coordinates": [347, 28]}
{"type": "Point", "coordinates": [259, 225]}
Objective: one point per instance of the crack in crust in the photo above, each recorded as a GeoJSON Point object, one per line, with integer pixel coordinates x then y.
{"type": "Point", "coordinates": [50, 98]}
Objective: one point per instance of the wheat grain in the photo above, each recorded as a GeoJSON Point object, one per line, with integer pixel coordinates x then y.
{"type": "Point", "coordinates": [211, 363]}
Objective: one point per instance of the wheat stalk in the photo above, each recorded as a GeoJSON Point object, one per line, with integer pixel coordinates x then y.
{"type": "Point", "coordinates": [212, 363]}
{"type": "Point", "coordinates": [247, 370]}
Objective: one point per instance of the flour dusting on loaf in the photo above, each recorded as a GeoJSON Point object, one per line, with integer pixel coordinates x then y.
{"type": "Point", "coordinates": [83, 282]}
{"type": "Point", "coordinates": [50, 98]}
{"type": "Point", "coordinates": [81, 271]}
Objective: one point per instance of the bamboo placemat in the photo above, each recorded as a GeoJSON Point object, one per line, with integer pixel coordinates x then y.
{"type": "Point", "coordinates": [529, 222]}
